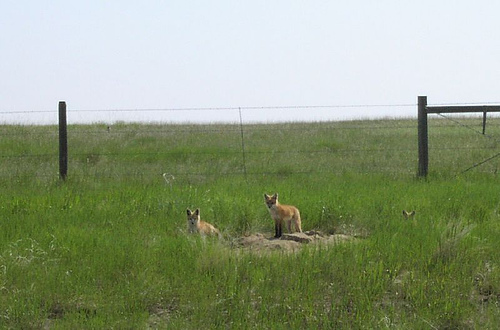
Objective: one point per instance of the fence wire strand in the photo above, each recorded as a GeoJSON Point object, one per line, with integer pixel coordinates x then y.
{"type": "Point", "coordinates": [482, 162]}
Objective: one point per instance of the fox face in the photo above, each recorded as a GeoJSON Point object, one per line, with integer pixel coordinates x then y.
{"type": "Point", "coordinates": [271, 200]}
{"type": "Point", "coordinates": [193, 218]}
{"type": "Point", "coordinates": [408, 215]}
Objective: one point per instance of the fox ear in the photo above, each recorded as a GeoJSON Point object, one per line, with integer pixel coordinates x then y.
{"type": "Point", "coordinates": [412, 213]}
{"type": "Point", "coordinates": [266, 196]}
{"type": "Point", "coordinates": [275, 195]}
{"type": "Point", "coordinates": [404, 212]}
{"type": "Point", "coordinates": [197, 212]}
{"type": "Point", "coordinates": [188, 212]}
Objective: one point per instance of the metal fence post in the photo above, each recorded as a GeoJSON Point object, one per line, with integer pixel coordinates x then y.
{"type": "Point", "coordinates": [423, 141]}
{"type": "Point", "coordinates": [63, 141]}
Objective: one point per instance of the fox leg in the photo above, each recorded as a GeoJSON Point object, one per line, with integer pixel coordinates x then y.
{"type": "Point", "coordinates": [298, 226]}
{"type": "Point", "coordinates": [278, 229]}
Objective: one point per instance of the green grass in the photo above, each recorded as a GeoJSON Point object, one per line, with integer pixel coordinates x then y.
{"type": "Point", "coordinates": [108, 248]}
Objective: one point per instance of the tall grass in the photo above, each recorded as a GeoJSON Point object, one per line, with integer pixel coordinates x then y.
{"type": "Point", "coordinates": [109, 247]}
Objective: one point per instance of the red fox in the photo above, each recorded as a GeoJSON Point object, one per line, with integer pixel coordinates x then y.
{"type": "Point", "coordinates": [282, 213]}
{"type": "Point", "coordinates": [195, 225]}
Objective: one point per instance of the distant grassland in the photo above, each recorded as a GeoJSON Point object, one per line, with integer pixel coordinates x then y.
{"type": "Point", "coordinates": [385, 146]}
{"type": "Point", "coordinates": [108, 247]}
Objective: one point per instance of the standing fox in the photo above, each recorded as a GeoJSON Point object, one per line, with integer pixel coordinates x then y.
{"type": "Point", "coordinates": [196, 225]}
{"type": "Point", "coordinates": [282, 213]}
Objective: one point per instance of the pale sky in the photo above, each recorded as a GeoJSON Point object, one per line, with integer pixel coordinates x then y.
{"type": "Point", "coordinates": [122, 54]}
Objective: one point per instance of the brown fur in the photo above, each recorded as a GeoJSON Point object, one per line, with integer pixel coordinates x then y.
{"type": "Point", "coordinates": [196, 225]}
{"type": "Point", "coordinates": [283, 213]}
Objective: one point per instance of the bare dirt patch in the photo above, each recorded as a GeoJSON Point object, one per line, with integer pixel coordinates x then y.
{"type": "Point", "coordinates": [288, 242]}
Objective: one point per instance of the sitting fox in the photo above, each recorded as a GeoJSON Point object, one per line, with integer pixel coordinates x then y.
{"type": "Point", "coordinates": [196, 225]}
{"type": "Point", "coordinates": [282, 213]}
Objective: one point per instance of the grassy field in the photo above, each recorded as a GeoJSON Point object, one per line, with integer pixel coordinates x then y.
{"type": "Point", "coordinates": [108, 248]}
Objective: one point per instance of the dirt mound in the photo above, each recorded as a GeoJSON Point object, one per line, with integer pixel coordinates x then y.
{"type": "Point", "coordinates": [288, 242]}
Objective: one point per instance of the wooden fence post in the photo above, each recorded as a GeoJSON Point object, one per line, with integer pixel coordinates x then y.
{"type": "Point", "coordinates": [484, 122]}
{"type": "Point", "coordinates": [423, 141]}
{"type": "Point", "coordinates": [63, 141]}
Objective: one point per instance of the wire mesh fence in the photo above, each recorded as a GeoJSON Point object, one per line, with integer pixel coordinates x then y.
{"type": "Point", "coordinates": [242, 148]}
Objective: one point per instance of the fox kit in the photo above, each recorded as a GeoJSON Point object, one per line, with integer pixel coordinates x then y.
{"type": "Point", "coordinates": [195, 225]}
{"type": "Point", "coordinates": [282, 213]}
{"type": "Point", "coordinates": [408, 215]}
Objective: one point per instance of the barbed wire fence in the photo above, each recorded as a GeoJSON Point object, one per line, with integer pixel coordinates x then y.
{"type": "Point", "coordinates": [241, 156]}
